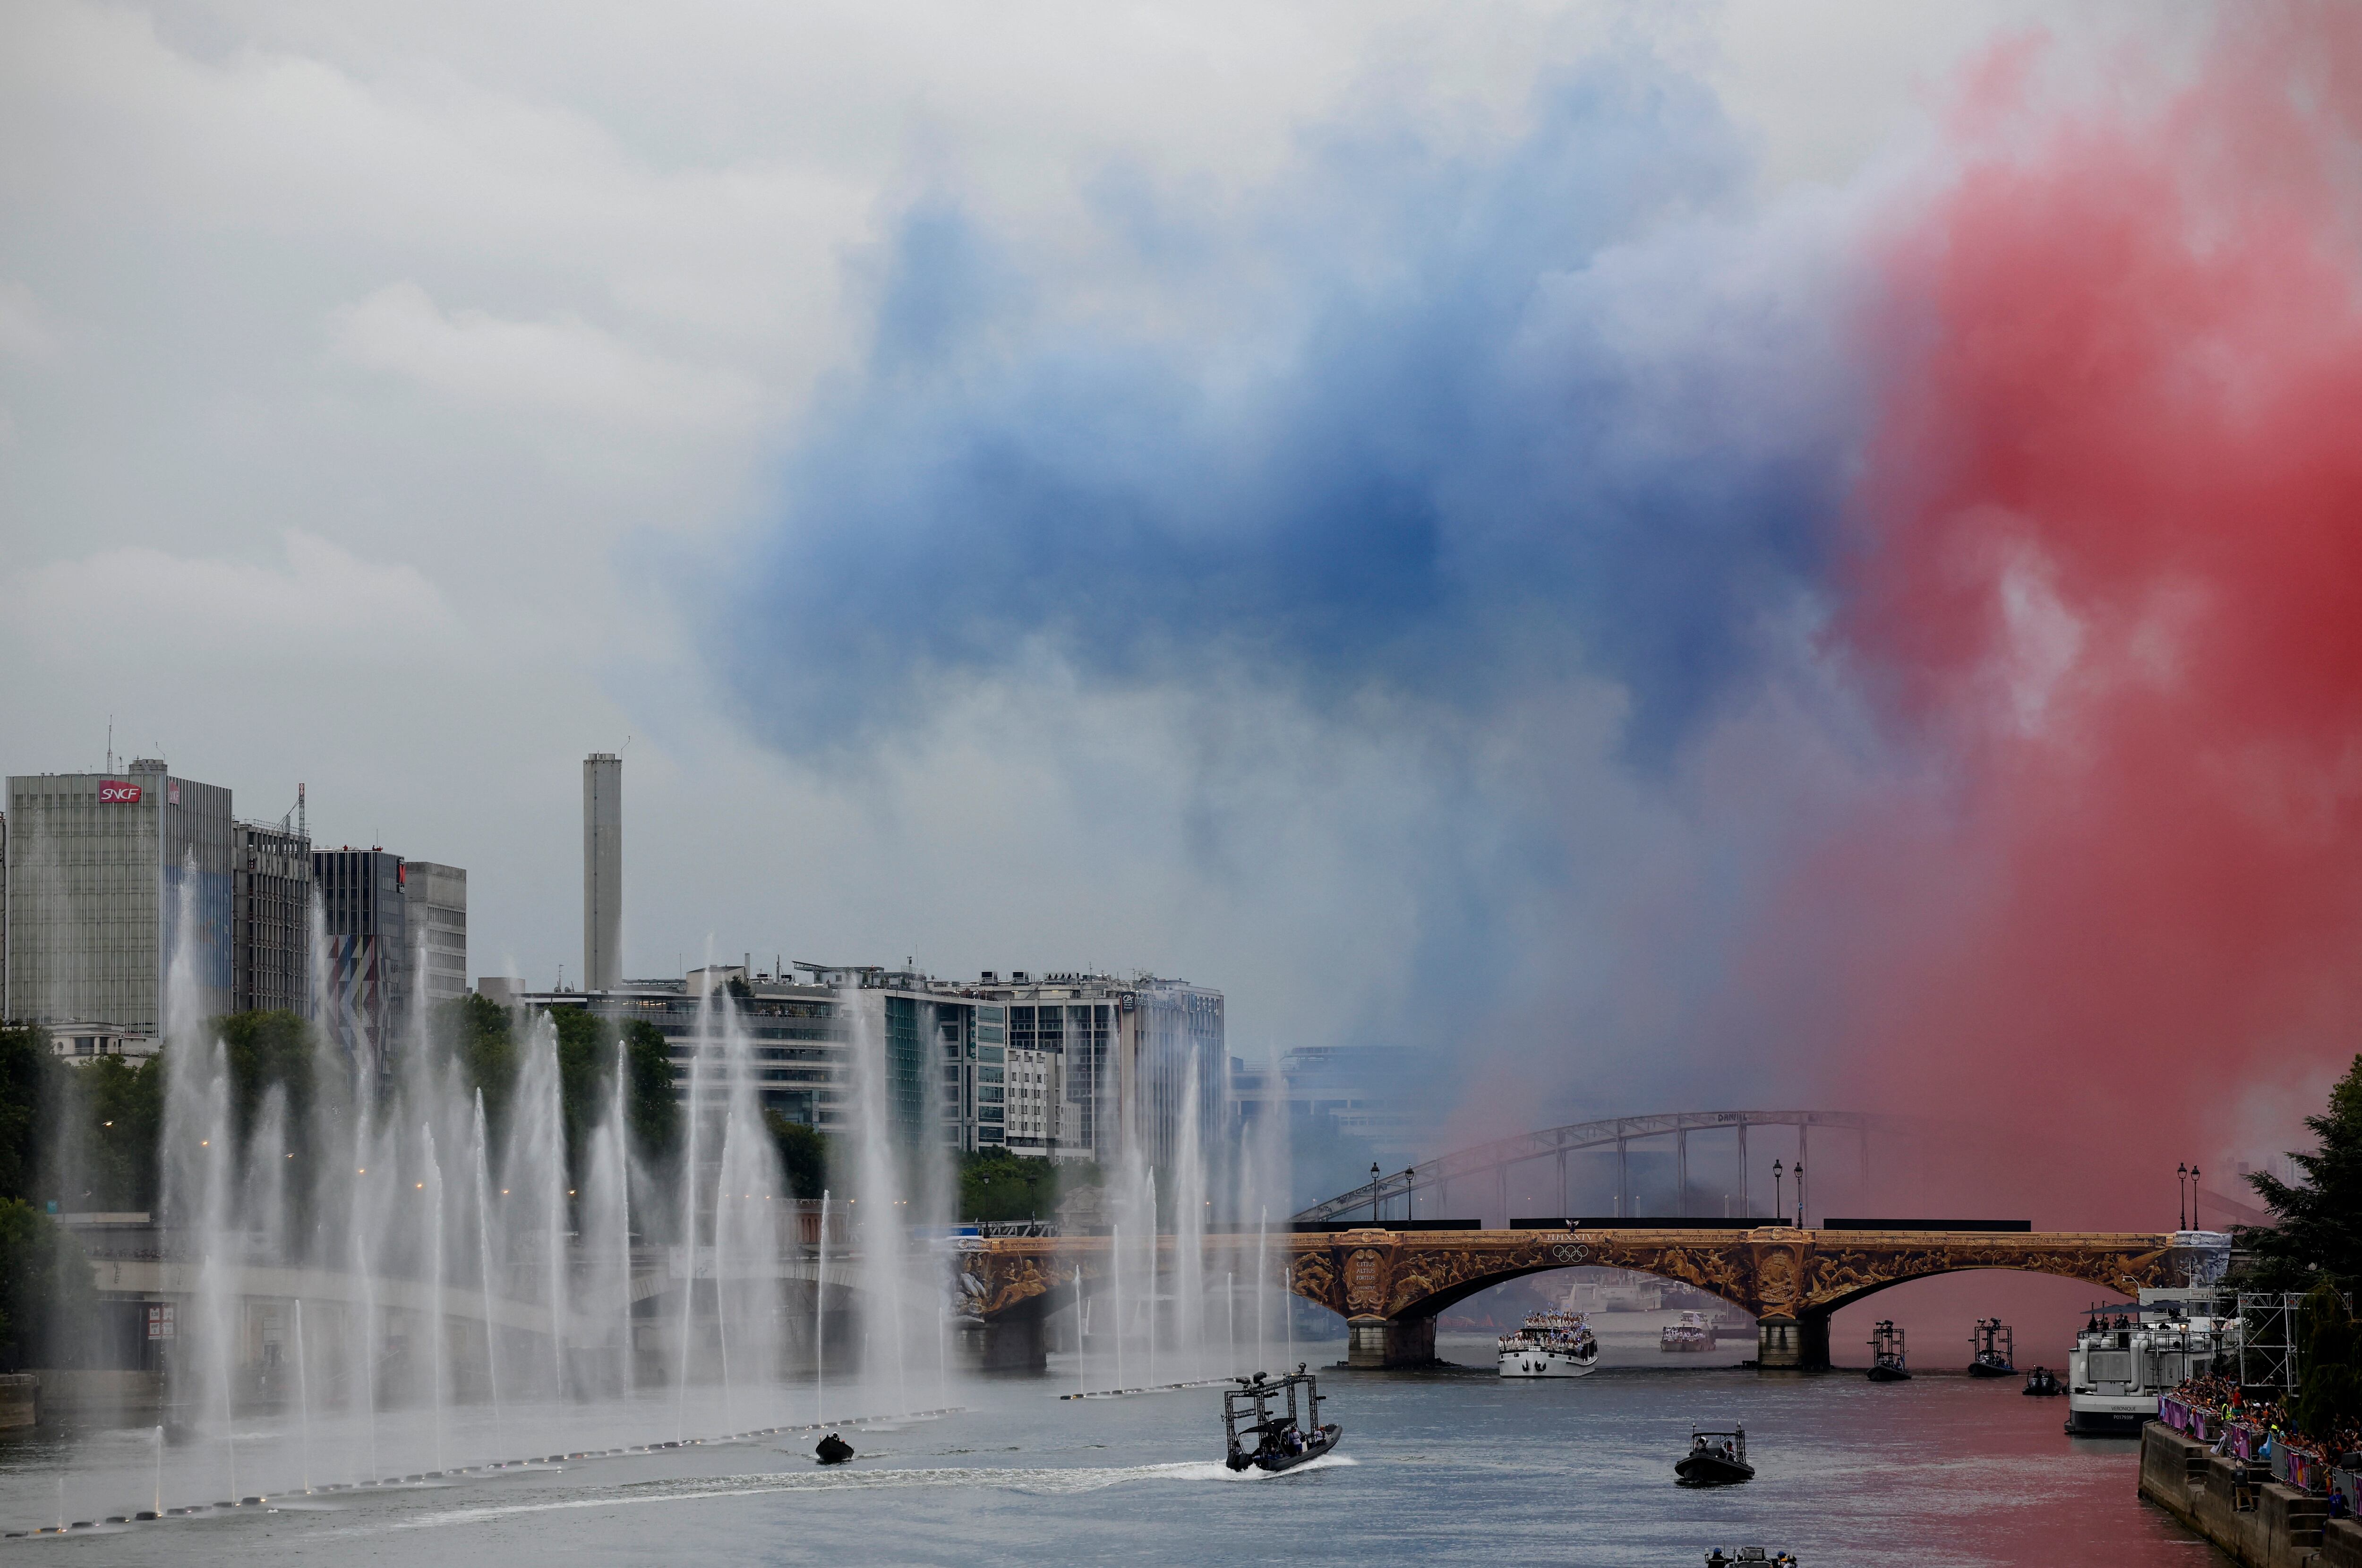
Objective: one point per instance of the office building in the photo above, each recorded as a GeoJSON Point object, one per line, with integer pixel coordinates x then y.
{"type": "Point", "coordinates": [602, 871]}
{"type": "Point", "coordinates": [270, 920]}
{"type": "Point", "coordinates": [438, 929]}
{"type": "Point", "coordinates": [109, 877]}
{"type": "Point", "coordinates": [364, 919]}
{"type": "Point", "coordinates": [1067, 1065]}
{"type": "Point", "coordinates": [798, 1039]}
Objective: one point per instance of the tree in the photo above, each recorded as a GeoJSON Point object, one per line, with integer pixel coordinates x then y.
{"type": "Point", "coordinates": [586, 1078]}
{"type": "Point", "coordinates": [2319, 1237]}
{"type": "Point", "coordinates": [24, 1068]}
{"type": "Point", "coordinates": [46, 1293]}
{"type": "Point", "coordinates": [804, 1154]}
{"type": "Point", "coordinates": [996, 1185]}
{"type": "Point", "coordinates": [266, 1050]}
{"type": "Point", "coordinates": [585, 1062]}
{"type": "Point", "coordinates": [110, 1114]}
{"type": "Point", "coordinates": [655, 1114]}
{"type": "Point", "coordinates": [480, 1036]}
{"type": "Point", "coordinates": [2329, 1390]}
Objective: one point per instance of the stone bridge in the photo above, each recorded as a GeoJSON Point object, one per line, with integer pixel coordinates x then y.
{"type": "Point", "coordinates": [1389, 1285]}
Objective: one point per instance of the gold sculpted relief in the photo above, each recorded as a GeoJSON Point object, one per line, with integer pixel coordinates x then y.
{"type": "Point", "coordinates": [1365, 1287]}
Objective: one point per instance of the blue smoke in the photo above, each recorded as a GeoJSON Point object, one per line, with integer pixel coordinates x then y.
{"type": "Point", "coordinates": [1468, 424]}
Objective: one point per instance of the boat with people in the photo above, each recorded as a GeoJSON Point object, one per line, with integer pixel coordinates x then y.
{"type": "Point", "coordinates": [1719, 1558]}
{"type": "Point", "coordinates": [1273, 1423]}
{"type": "Point", "coordinates": [1886, 1359]}
{"type": "Point", "coordinates": [833, 1449]}
{"type": "Point", "coordinates": [2042, 1383]}
{"type": "Point", "coordinates": [1716, 1458]}
{"type": "Point", "coordinates": [2128, 1353]}
{"type": "Point", "coordinates": [1994, 1348]}
{"type": "Point", "coordinates": [1551, 1345]}
{"type": "Point", "coordinates": [1690, 1331]}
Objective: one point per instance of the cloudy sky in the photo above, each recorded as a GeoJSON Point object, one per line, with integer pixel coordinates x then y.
{"type": "Point", "coordinates": [1362, 505]}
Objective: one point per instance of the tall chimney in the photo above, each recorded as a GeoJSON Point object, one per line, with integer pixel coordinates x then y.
{"type": "Point", "coordinates": [602, 871]}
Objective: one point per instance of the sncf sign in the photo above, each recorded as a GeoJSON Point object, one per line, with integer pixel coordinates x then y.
{"type": "Point", "coordinates": [116, 793]}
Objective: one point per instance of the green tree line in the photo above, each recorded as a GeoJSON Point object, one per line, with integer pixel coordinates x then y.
{"type": "Point", "coordinates": [2315, 1247]}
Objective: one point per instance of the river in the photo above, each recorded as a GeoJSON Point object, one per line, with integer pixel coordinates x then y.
{"type": "Point", "coordinates": [1436, 1468]}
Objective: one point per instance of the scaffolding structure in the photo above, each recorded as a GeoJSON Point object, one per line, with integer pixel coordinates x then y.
{"type": "Point", "coordinates": [2268, 1346]}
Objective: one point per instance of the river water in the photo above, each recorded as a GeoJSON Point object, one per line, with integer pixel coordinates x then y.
{"type": "Point", "coordinates": [1436, 1468]}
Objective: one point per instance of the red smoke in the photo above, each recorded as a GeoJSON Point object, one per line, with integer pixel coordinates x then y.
{"type": "Point", "coordinates": [2109, 578]}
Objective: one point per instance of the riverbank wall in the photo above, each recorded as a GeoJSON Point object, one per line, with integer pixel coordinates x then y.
{"type": "Point", "coordinates": [2238, 1507]}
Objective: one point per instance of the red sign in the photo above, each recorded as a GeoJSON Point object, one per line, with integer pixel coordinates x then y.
{"type": "Point", "coordinates": [172, 791]}
{"type": "Point", "coordinates": [160, 1320]}
{"type": "Point", "coordinates": [116, 793]}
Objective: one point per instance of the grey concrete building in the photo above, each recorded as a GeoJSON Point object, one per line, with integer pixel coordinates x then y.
{"type": "Point", "coordinates": [108, 877]}
{"type": "Point", "coordinates": [438, 929]}
{"type": "Point", "coordinates": [602, 871]}
{"type": "Point", "coordinates": [270, 918]}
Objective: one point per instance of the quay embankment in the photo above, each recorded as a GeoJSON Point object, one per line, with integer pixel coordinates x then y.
{"type": "Point", "coordinates": [2235, 1504]}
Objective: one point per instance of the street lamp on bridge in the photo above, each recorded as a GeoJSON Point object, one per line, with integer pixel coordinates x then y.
{"type": "Point", "coordinates": [1800, 1192]}
{"type": "Point", "coordinates": [1779, 1174]}
{"type": "Point", "coordinates": [1374, 1192]}
{"type": "Point", "coordinates": [2181, 1183]}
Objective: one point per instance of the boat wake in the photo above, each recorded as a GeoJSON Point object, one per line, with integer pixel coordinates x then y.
{"type": "Point", "coordinates": [1041, 1481]}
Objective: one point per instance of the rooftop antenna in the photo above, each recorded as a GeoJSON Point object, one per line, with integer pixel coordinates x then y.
{"type": "Point", "coordinates": [302, 825]}
{"type": "Point", "coordinates": [110, 743]}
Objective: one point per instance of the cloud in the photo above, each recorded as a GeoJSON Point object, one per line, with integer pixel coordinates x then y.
{"type": "Point", "coordinates": [27, 330]}
{"type": "Point", "coordinates": [320, 603]}
{"type": "Point", "coordinates": [1466, 422]}
{"type": "Point", "coordinates": [566, 367]}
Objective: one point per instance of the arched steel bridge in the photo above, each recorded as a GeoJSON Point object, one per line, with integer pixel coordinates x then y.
{"type": "Point", "coordinates": [1483, 1171]}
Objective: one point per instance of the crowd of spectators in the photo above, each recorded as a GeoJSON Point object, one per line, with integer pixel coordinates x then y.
{"type": "Point", "coordinates": [2222, 1396]}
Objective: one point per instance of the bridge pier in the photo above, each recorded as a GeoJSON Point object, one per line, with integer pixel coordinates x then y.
{"type": "Point", "coordinates": [1373, 1343]}
{"type": "Point", "coordinates": [1793, 1344]}
{"type": "Point", "coordinates": [1014, 1342]}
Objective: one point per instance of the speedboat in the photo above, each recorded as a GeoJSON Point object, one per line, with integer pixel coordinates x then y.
{"type": "Point", "coordinates": [1718, 1558]}
{"type": "Point", "coordinates": [1715, 1459]}
{"type": "Point", "coordinates": [1886, 1362]}
{"type": "Point", "coordinates": [833, 1449]}
{"type": "Point", "coordinates": [1270, 1429]}
{"type": "Point", "coordinates": [1551, 1345]}
{"type": "Point", "coordinates": [2042, 1383]}
{"type": "Point", "coordinates": [1691, 1331]}
{"type": "Point", "coordinates": [1995, 1347]}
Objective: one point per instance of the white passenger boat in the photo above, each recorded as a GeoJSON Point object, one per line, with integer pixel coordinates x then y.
{"type": "Point", "coordinates": [1692, 1331]}
{"type": "Point", "coordinates": [2124, 1357]}
{"type": "Point", "coordinates": [1551, 1345]}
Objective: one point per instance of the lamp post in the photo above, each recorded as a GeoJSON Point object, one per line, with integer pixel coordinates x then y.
{"type": "Point", "coordinates": [1374, 1192]}
{"type": "Point", "coordinates": [1800, 1194]}
{"type": "Point", "coordinates": [2193, 1197]}
{"type": "Point", "coordinates": [1779, 1174]}
{"type": "Point", "coordinates": [2181, 1183]}
{"type": "Point", "coordinates": [1408, 1171]}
